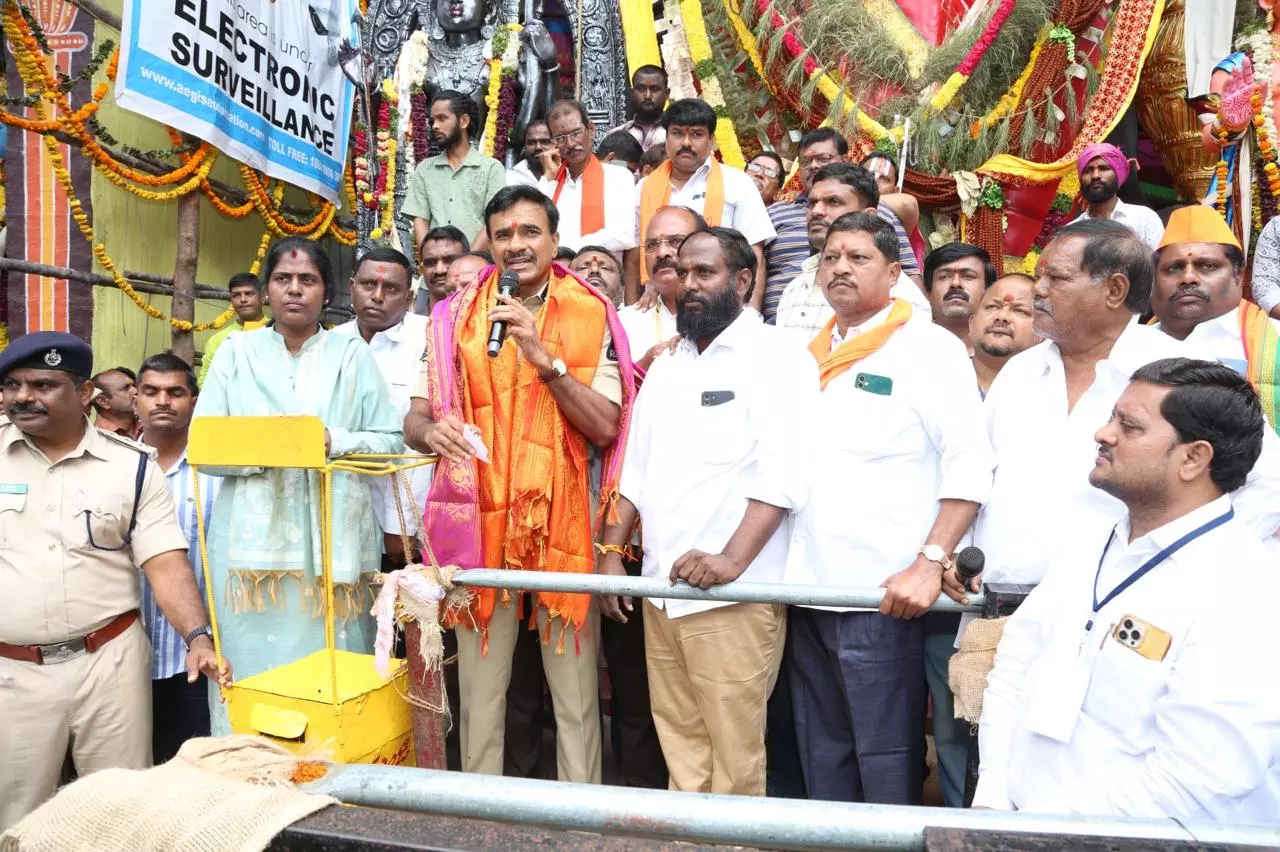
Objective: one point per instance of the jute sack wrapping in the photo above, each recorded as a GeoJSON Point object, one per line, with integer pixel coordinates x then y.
{"type": "Point", "coordinates": [230, 794]}
{"type": "Point", "coordinates": [971, 664]}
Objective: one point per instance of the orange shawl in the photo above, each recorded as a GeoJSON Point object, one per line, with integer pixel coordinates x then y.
{"type": "Point", "coordinates": [591, 216]}
{"type": "Point", "coordinates": [655, 193]}
{"type": "Point", "coordinates": [534, 506]}
{"type": "Point", "coordinates": [832, 363]}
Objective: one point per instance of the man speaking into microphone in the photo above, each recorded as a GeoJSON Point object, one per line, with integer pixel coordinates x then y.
{"type": "Point", "coordinates": [511, 489]}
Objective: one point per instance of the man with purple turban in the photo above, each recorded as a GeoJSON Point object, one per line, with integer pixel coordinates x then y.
{"type": "Point", "coordinates": [1103, 169]}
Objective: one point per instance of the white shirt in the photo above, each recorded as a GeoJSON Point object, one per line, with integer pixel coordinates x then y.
{"type": "Point", "coordinates": [744, 209]}
{"type": "Point", "coordinates": [884, 460]}
{"type": "Point", "coordinates": [521, 175]}
{"type": "Point", "coordinates": [691, 467]}
{"type": "Point", "coordinates": [1044, 454]}
{"type": "Point", "coordinates": [1143, 221]}
{"type": "Point", "coordinates": [618, 232]}
{"type": "Point", "coordinates": [804, 306]}
{"type": "Point", "coordinates": [398, 353]}
{"type": "Point", "coordinates": [646, 329]}
{"type": "Point", "coordinates": [1220, 340]}
{"type": "Point", "coordinates": [1076, 722]}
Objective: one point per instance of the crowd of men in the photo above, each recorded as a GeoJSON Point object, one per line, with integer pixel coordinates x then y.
{"type": "Point", "coordinates": [784, 391]}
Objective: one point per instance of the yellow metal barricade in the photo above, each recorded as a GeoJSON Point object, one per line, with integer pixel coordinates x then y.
{"type": "Point", "coordinates": [331, 701]}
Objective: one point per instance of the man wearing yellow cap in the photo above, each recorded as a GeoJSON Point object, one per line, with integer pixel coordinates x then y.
{"type": "Point", "coordinates": [1197, 298]}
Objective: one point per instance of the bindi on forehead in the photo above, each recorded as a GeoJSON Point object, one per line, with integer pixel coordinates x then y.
{"type": "Point", "coordinates": [293, 253]}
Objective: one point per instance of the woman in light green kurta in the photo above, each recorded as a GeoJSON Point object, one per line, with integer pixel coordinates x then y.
{"type": "Point", "coordinates": [264, 537]}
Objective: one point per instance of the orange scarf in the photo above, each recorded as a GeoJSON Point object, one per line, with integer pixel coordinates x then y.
{"type": "Point", "coordinates": [832, 363]}
{"type": "Point", "coordinates": [591, 217]}
{"type": "Point", "coordinates": [656, 193]}
{"type": "Point", "coordinates": [535, 512]}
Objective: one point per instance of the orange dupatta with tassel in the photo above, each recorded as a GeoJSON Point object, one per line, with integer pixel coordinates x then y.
{"type": "Point", "coordinates": [529, 507]}
{"type": "Point", "coordinates": [655, 193]}
{"type": "Point", "coordinates": [591, 216]}
{"type": "Point", "coordinates": [832, 363]}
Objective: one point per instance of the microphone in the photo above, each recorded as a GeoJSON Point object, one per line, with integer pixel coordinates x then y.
{"type": "Point", "coordinates": [969, 563]}
{"type": "Point", "coordinates": [508, 285]}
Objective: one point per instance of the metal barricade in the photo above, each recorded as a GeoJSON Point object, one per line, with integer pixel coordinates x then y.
{"type": "Point", "coordinates": [731, 820]}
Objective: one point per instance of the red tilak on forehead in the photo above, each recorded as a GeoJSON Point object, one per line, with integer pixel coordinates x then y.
{"type": "Point", "coordinates": [380, 270]}
{"type": "Point", "coordinates": [1008, 297]}
{"type": "Point", "coordinates": [293, 253]}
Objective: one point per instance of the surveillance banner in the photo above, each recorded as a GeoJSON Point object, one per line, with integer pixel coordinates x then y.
{"type": "Point", "coordinates": [259, 79]}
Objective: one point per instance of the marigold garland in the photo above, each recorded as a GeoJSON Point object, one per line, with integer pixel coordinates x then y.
{"type": "Point", "coordinates": [943, 97]}
{"type": "Point", "coordinates": [388, 117]}
{"type": "Point", "coordinates": [1011, 98]}
{"type": "Point", "coordinates": [1220, 172]}
{"type": "Point", "coordinates": [100, 251]}
{"type": "Point", "coordinates": [695, 30]}
{"type": "Point", "coordinates": [37, 77]}
{"type": "Point", "coordinates": [504, 50]}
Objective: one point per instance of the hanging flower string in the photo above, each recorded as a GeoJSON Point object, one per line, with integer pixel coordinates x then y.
{"type": "Point", "coordinates": [1220, 173]}
{"type": "Point", "coordinates": [507, 104]}
{"type": "Point", "coordinates": [504, 50]}
{"type": "Point", "coordinates": [943, 97]}
{"type": "Point", "coordinates": [388, 117]}
{"type": "Point", "coordinates": [1011, 98]}
{"type": "Point", "coordinates": [704, 68]}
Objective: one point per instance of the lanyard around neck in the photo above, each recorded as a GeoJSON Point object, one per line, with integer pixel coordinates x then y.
{"type": "Point", "coordinates": [1151, 563]}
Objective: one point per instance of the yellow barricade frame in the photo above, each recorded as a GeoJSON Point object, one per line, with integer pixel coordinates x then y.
{"type": "Point", "coordinates": [282, 442]}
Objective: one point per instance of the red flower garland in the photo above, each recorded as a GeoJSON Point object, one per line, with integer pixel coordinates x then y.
{"type": "Point", "coordinates": [975, 54]}
{"type": "Point", "coordinates": [418, 118]}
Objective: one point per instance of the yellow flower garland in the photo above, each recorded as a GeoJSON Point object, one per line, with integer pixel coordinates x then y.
{"type": "Point", "coordinates": [100, 251]}
{"type": "Point", "coordinates": [1011, 98]}
{"type": "Point", "coordinates": [695, 30]}
{"type": "Point", "coordinates": [508, 58]}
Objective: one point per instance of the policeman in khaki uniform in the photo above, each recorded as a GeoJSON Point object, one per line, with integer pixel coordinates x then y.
{"type": "Point", "coordinates": [80, 512]}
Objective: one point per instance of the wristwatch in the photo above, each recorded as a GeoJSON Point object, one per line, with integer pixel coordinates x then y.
{"type": "Point", "coordinates": [934, 553]}
{"type": "Point", "coordinates": [196, 634]}
{"type": "Point", "coordinates": [558, 369]}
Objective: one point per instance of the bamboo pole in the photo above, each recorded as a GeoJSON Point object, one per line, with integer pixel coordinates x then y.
{"type": "Point", "coordinates": [184, 275]}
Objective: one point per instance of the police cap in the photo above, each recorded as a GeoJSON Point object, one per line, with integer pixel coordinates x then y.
{"type": "Point", "coordinates": [48, 350]}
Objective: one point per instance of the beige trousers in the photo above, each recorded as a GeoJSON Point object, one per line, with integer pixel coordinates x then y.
{"type": "Point", "coordinates": [710, 675]}
{"type": "Point", "coordinates": [98, 703]}
{"type": "Point", "coordinates": [575, 693]}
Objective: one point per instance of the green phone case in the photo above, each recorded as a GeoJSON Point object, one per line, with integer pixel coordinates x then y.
{"type": "Point", "coordinates": [871, 383]}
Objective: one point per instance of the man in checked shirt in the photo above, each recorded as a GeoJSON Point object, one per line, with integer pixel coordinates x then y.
{"type": "Point", "coordinates": [166, 398]}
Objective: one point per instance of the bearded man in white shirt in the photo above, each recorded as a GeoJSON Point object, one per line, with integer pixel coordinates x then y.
{"type": "Point", "coordinates": [1199, 298]}
{"type": "Point", "coordinates": [1043, 408]}
{"type": "Point", "coordinates": [397, 337]}
{"type": "Point", "coordinates": [902, 447]}
{"type": "Point", "coordinates": [714, 472]}
{"type": "Point", "coordinates": [1114, 692]}
{"type": "Point", "coordinates": [596, 200]}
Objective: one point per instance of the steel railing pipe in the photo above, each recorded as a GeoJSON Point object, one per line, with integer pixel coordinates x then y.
{"type": "Point", "coordinates": [728, 820]}
{"type": "Point", "coordinates": [656, 587]}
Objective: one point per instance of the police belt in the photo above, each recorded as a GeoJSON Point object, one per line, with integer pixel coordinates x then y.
{"type": "Point", "coordinates": [60, 652]}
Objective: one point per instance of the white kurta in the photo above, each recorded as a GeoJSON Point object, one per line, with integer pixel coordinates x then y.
{"type": "Point", "coordinates": [618, 232]}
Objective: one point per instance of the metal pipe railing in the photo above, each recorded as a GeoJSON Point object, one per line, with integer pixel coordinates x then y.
{"type": "Point", "coordinates": [656, 587]}
{"type": "Point", "coordinates": [729, 820]}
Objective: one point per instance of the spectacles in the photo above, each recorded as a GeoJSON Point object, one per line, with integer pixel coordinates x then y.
{"type": "Point", "coordinates": [761, 169]}
{"type": "Point", "coordinates": [818, 160]}
{"type": "Point", "coordinates": [568, 137]}
{"type": "Point", "coordinates": [656, 243]}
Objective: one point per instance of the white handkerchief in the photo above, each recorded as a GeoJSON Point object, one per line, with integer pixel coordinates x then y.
{"type": "Point", "coordinates": [472, 434]}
